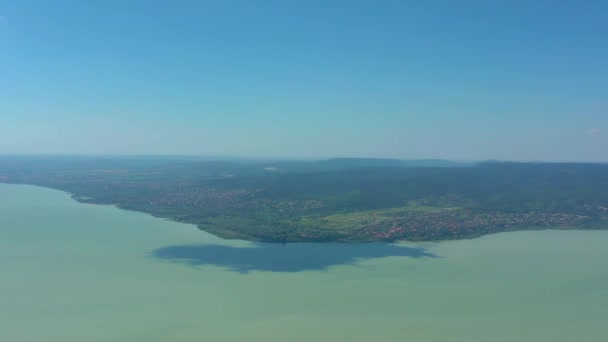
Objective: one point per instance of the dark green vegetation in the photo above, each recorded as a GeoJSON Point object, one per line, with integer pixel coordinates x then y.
{"type": "Point", "coordinates": [333, 200]}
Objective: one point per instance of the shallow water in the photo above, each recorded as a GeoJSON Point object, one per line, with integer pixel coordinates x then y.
{"type": "Point", "coordinates": [77, 272]}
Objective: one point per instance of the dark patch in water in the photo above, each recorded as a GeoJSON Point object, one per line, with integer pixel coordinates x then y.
{"type": "Point", "coordinates": [284, 257]}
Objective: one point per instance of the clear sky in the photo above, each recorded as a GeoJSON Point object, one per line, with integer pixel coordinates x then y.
{"type": "Point", "coordinates": [508, 80]}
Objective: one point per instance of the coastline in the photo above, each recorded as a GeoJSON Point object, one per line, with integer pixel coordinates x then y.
{"type": "Point", "coordinates": [233, 235]}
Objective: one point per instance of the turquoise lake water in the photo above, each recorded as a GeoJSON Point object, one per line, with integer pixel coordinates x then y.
{"type": "Point", "coordinates": [78, 272]}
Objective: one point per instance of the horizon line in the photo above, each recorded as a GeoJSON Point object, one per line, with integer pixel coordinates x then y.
{"type": "Point", "coordinates": [280, 158]}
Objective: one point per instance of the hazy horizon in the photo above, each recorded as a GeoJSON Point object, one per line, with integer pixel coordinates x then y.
{"type": "Point", "coordinates": [520, 81]}
{"type": "Point", "coordinates": [274, 158]}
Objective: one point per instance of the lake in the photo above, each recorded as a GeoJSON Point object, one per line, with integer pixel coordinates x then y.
{"type": "Point", "coordinates": [80, 272]}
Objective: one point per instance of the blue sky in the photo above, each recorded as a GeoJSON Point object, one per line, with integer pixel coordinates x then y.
{"type": "Point", "coordinates": [464, 80]}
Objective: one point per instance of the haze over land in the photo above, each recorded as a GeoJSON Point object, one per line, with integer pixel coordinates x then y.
{"type": "Point", "coordinates": [510, 80]}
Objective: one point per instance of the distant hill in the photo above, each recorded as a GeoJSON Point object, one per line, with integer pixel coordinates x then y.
{"type": "Point", "coordinates": [351, 163]}
{"type": "Point", "coordinates": [336, 164]}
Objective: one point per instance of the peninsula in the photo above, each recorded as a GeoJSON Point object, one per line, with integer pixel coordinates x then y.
{"type": "Point", "coordinates": [344, 199]}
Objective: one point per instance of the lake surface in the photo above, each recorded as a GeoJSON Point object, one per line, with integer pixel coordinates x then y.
{"type": "Point", "coordinates": [78, 272]}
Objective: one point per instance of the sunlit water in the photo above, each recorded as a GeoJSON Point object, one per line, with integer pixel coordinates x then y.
{"type": "Point", "coordinates": [76, 272]}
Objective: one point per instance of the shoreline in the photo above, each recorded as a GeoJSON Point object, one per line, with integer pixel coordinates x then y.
{"type": "Point", "coordinates": [76, 199]}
